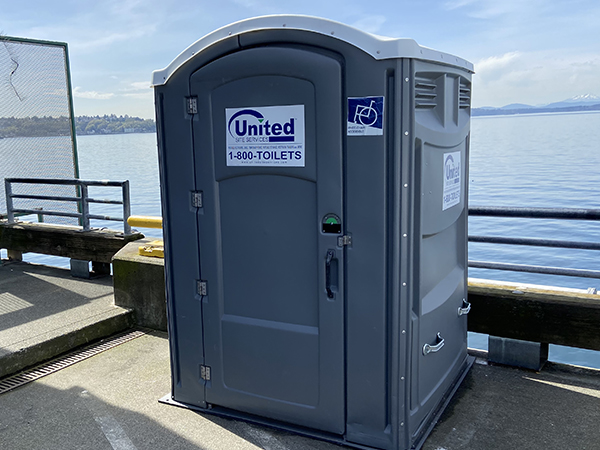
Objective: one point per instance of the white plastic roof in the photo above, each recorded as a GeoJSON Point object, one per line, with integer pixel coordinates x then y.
{"type": "Point", "coordinates": [377, 46]}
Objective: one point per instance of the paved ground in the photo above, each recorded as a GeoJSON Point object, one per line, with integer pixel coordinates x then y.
{"type": "Point", "coordinates": [110, 402]}
{"type": "Point", "coordinates": [505, 408]}
{"type": "Point", "coordinates": [44, 311]}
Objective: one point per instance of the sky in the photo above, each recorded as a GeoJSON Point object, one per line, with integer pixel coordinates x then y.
{"type": "Point", "coordinates": [524, 51]}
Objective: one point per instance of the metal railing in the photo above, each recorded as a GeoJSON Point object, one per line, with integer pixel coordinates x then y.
{"type": "Point", "coordinates": [536, 213]}
{"type": "Point", "coordinates": [83, 200]}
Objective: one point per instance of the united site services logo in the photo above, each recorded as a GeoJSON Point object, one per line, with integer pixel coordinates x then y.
{"type": "Point", "coordinates": [452, 170]}
{"type": "Point", "coordinates": [265, 136]}
{"type": "Point", "coordinates": [452, 173]}
{"type": "Point", "coordinates": [250, 125]}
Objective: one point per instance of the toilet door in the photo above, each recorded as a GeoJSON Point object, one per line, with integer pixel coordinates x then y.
{"type": "Point", "coordinates": [268, 161]}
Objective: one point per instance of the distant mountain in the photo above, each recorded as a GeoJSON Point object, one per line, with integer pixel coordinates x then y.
{"type": "Point", "coordinates": [587, 99]}
{"type": "Point", "coordinates": [516, 106]}
{"type": "Point", "coordinates": [586, 102]}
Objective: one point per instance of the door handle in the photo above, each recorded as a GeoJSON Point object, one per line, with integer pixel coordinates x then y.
{"type": "Point", "coordinates": [466, 307]}
{"type": "Point", "coordinates": [427, 348]}
{"type": "Point", "coordinates": [328, 259]}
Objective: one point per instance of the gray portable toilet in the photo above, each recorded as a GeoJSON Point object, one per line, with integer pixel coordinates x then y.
{"type": "Point", "coordinates": [314, 189]}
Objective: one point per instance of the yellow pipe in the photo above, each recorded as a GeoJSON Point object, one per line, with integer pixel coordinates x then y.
{"type": "Point", "coordinates": [145, 221]}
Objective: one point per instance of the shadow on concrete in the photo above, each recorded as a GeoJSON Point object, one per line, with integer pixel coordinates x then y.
{"type": "Point", "coordinates": [110, 401]}
{"type": "Point", "coordinates": [53, 419]}
{"type": "Point", "coordinates": [31, 292]}
{"type": "Point", "coordinates": [269, 438]}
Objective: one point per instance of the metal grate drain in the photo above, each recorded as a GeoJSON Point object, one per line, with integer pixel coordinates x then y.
{"type": "Point", "coordinates": [67, 360]}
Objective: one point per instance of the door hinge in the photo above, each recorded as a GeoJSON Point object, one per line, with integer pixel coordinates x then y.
{"type": "Point", "coordinates": [191, 104]}
{"type": "Point", "coordinates": [202, 287]}
{"type": "Point", "coordinates": [344, 240]}
{"type": "Point", "coordinates": [205, 372]}
{"type": "Point", "coordinates": [197, 199]}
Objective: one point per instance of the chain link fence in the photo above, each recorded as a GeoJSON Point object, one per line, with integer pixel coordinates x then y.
{"type": "Point", "coordinates": [37, 137]}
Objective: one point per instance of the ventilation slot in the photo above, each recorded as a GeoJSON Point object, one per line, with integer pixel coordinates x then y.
{"type": "Point", "coordinates": [465, 94]}
{"type": "Point", "coordinates": [425, 93]}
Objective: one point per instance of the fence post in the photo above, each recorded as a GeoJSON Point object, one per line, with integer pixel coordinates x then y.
{"type": "Point", "coordinates": [9, 202]}
{"type": "Point", "coordinates": [85, 207]}
{"type": "Point", "coordinates": [126, 208]}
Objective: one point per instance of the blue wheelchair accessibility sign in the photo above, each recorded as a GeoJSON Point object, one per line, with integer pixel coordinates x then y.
{"type": "Point", "coordinates": [365, 116]}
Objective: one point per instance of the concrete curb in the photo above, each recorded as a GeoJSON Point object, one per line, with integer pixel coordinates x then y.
{"type": "Point", "coordinates": [49, 347]}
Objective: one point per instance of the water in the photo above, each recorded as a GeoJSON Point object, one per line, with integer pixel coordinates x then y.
{"type": "Point", "coordinates": [119, 157]}
{"type": "Point", "coordinates": [546, 160]}
{"type": "Point", "coordinates": [116, 157]}
{"type": "Point", "coordinates": [25, 156]}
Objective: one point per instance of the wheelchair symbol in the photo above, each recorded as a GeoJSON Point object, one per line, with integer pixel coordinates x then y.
{"type": "Point", "coordinates": [366, 115]}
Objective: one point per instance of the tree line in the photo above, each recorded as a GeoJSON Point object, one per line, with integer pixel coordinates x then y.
{"type": "Point", "coordinates": [84, 125]}
{"type": "Point", "coordinates": [112, 124]}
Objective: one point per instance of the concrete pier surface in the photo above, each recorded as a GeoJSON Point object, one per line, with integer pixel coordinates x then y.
{"type": "Point", "coordinates": [110, 400]}
{"type": "Point", "coordinates": [44, 312]}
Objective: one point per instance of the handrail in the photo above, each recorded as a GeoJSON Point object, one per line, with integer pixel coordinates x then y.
{"type": "Point", "coordinates": [536, 213]}
{"type": "Point", "coordinates": [145, 221]}
{"type": "Point", "coordinates": [533, 242]}
{"type": "Point", "coordinates": [83, 200]}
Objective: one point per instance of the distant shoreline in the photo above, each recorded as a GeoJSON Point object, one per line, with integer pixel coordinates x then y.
{"type": "Point", "coordinates": [477, 112]}
{"type": "Point", "coordinates": [116, 132]}
{"type": "Point", "coordinates": [47, 126]}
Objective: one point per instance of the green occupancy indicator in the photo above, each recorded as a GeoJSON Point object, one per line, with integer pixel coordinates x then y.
{"type": "Point", "coordinates": [332, 224]}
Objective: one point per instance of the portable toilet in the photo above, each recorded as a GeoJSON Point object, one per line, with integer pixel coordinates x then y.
{"type": "Point", "coordinates": [314, 194]}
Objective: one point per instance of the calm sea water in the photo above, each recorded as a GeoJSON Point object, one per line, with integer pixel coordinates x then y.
{"type": "Point", "coordinates": [546, 160]}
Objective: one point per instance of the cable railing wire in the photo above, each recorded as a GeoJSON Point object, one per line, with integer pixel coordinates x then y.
{"type": "Point", "coordinates": [536, 213]}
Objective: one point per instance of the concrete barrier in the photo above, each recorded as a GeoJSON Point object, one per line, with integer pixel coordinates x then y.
{"type": "Point", "coordinates": [139, 283]}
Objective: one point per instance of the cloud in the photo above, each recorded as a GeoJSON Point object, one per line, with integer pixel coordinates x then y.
{"type": "Point", "coordinates": [136, 90]}
{"type": "Point", "coordinates": [140, 95]}
{"type": "Point", "coordinates": [370, 24]}
{"type": "Point", "coordinates": [136, 86]}
{"type": "Point", "coordinates": [455, 4]}
{"type": "Point", "coordinates": [126, 7]}
{"type": "Point", "coordinates": [92, 95]}
{"type": "Point", "coordinates": [534, 77]}
{"type": "Point", "coordinates": [247, 3]}
{"type": "Point", "coordinates": [494, 66]}
{"type": "Point", "coordinates": [491, 9]}
{"type": "Point", "coordinates": [260, 6]}
{"type": "Point", "coordinates": [140, 85]}
{"type": "Point", "coordinates": [113, 38]}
